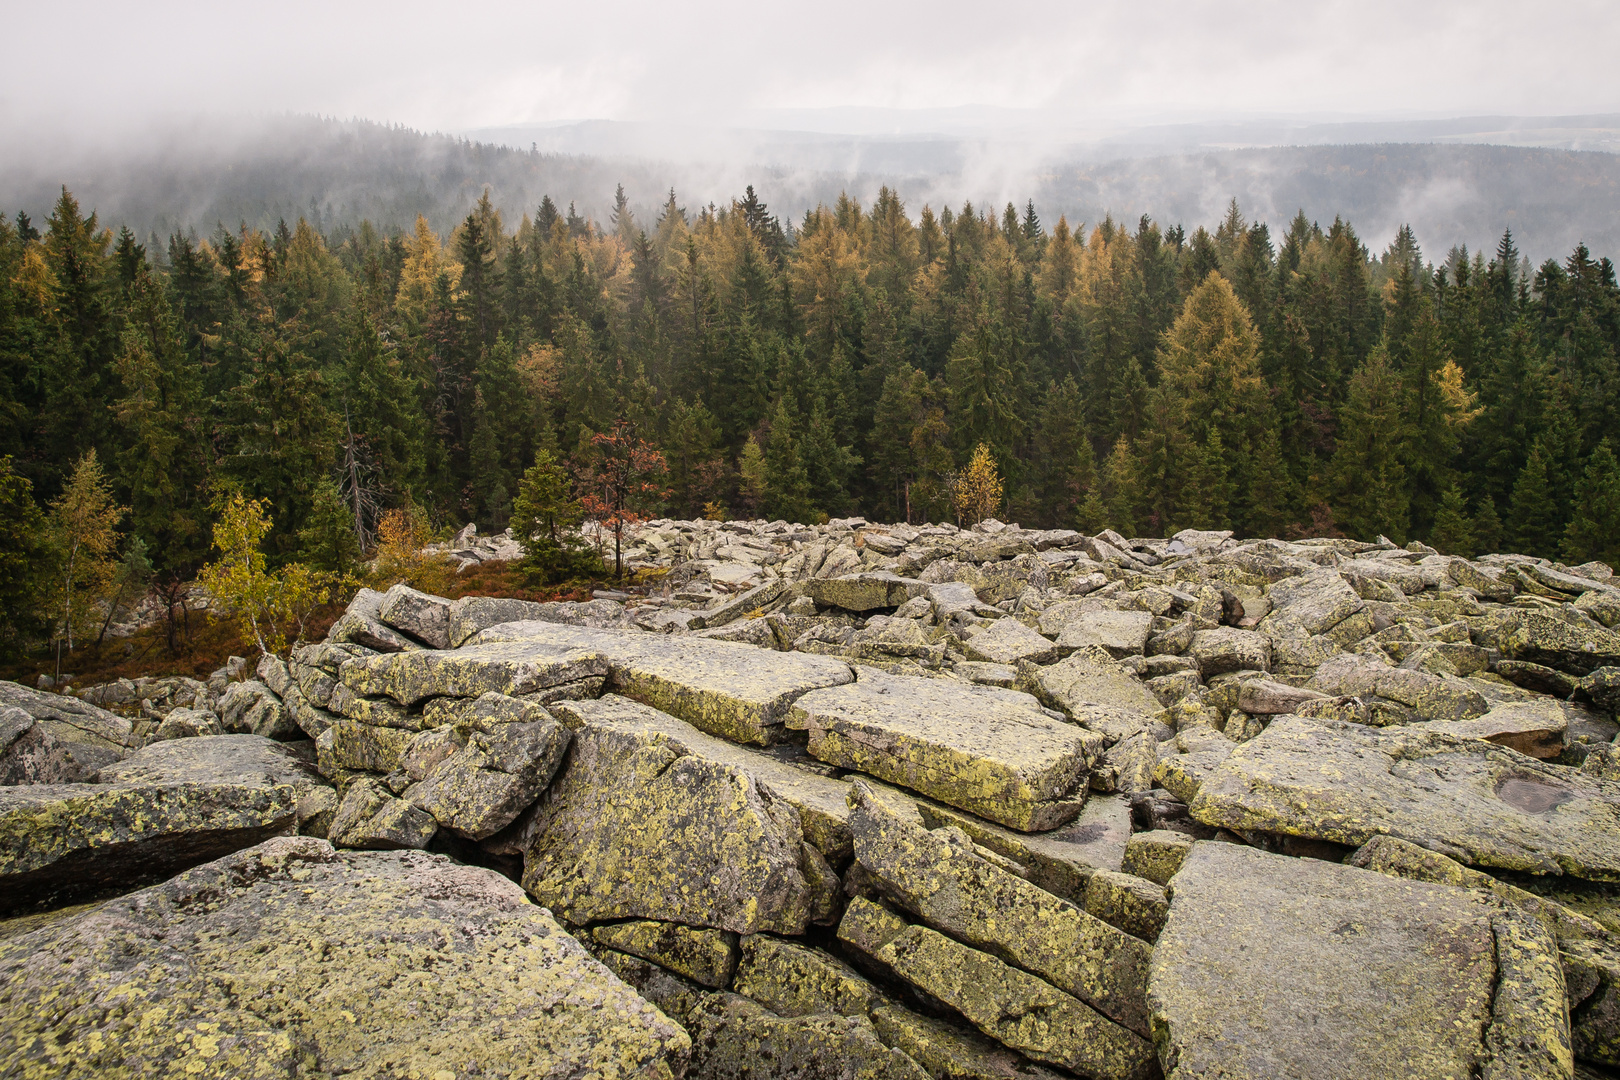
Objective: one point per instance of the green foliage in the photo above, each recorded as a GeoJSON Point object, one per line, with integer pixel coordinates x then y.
{"type": "Point", "coordinates": [545, 520]}
{"type": "Point", "coordinates": [1594, 530]}
{"type": "Point", "coordinates": [1139, 376]}
{"type": "Point", "coordinates": [1453, 532]}
{"type": "Point", "coordinates": [23, 552]}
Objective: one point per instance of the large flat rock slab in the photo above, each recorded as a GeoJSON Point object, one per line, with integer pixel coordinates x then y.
{"type": "Point", "coordinates": [1272, 966]}
{"type": "Point", "coordinates": [725, 688]}
{"type": "Point", "coordinates": [513, 668]}
{"type": "Point", "coordinates": [1098, 693]}
{"type": "Point", "coordinates": [822, 801]}
{"type": "Point", "coordinates": [991, 752]}
{"type": "Point", "coordinates": [59, 842]}
{"type": "Point", "coordinates": [647, 821]}
{"type": "Point", "coordinates": [1477, 802]}
{"type": "Point", "coordinates": [294, 959]}
{"type": "Point", "coordinates": [88, 735]}
{"type": "Point", "coordinates": [213, 759]}
{"type": "Point", "coordinates": [938, 876]}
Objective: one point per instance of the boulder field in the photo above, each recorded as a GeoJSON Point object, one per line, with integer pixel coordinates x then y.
{"type": "Point", "coordinates": [850, 801]}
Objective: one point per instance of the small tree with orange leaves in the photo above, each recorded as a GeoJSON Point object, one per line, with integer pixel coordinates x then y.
{"type": "Point", "coordinates": [977, 488]}
{"type": "Point", "coordinates": [621, 483]}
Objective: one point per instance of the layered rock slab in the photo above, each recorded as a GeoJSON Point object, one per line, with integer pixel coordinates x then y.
{"type": "Point", "coordinates": [724, 688]}
{"type": "Point", "coordinates": [86, 736]}
{"type": "Point", "coordinates": [513, 668]}
{"type": "Point", "coordinates": [61, 841]}
{"type": "Point", "coordinates": [938, 876]}
{"type": "Point", "coordinates": [642, 823]}
{"type": "Point", "coordinates": [991, 752]}
{"type": "Point", "coordinates": [1271, 966]}
{"type": "Point", "coordinates": [292, 958]}
{"type": "Point", "coordinates": [1480, 803]}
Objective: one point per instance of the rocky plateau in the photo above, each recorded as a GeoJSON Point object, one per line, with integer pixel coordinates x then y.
{"type": "Point", "coordinates": [849, 801]}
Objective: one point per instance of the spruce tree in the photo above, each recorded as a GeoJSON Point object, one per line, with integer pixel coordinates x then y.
{"type": "Point", "coordinates": [787, 484]}
{"type": "Point", "coordinates": [1368, 481]}
{"type": "Point", "coordinates": [1532, 521]}
{"type": "Point", "coordinates": [1453, 532]}
{"type": "Point", "coordinates": [1594, 529]}
{"type": "Point", "coordinates": [1487, 526]}
{"type": "Point", "coordinates": [1122, 488]}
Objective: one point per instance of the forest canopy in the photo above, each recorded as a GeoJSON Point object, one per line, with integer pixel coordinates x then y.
{"type": "Point", "coordinates": [1121, 374]}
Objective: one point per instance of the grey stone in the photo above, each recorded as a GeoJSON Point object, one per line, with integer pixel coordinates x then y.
{"type": "Point", "coordinates": [1480, 803]}
{"type": "Point", "coordinates": [289, 954]}
{"type": "Point", "coordinates": [732, 690]}
{"type": "Point", "coordinates": [60, 842]}
{"type": "Point", "coordinates": [1007, 641]}
{"type": "Point", "coordinates": [371, 818]}
{"type": "Point", "coordinates": [638, 806]}
{"type": "Point", "coordinates": [1328, 971]}
{"type": "Point", "coordinates": [938, 876]}
{"type": "Point", "coordinates": [493, 775]}
{"type": "Point", "coordinates": [1121, 633]}
{"type": "Point", "coordinates": [421, 615]}
{"type": "Point", "coordinates": [30, 754]}
{"type": "Point", "coordinates": [991, 752]}
{"type": "Point", "coordinates": [89, 736]}
{"type": "Point", "coordinates": [736, 1039]}
{"type": "Point", "coordinates": [1226, 648]}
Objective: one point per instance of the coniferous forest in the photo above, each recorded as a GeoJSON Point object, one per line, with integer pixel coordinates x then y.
{"type": "Point", "coordinates": [1137, 375]}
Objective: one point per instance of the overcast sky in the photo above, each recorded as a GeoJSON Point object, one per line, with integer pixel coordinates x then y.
{"type": "Point", "coordinates": [460, 67]}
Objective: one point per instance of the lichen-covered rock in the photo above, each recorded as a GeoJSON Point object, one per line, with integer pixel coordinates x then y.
{"type": "Point", "coordinates": [991, 752]}
{"type": "Point", "coordinates": [423, 616]}
{"type": "Point", "coordinates": [1156, 855]}
{"type": "Point", "coordinates": [795, 980]}
{"type": "Point", "coordinates": [735, 1039]}
{"type": "Point", "coordinates": [63, 841]}
{"type": "Point", "coordinates": [948, 1051]}
{"type": "Point", "coordinates": [1017, 1009]}
{"type": "Point", "coordinates": [290, 954]}
{"type": "Point", "coordinates": [89, 736]}
{"type": "Point", "coordinates": [1270, 966]}
{"type": "Point", "coordinates": [1533, 728]}
{"type": "Point", "coordinates": [1097, 693]}
{"type": "Point", "coordinates": [30, 754]}
{"type": "Point", "coordinates": [349, 744]}
{"type": "Point", "coordinates": [496, 769]}
{"type": "Point", "coordinates": [1120, 633]}
{"type": "Point", "coordinates": [1226, 648]}
{"type": "Point", "coordinates": [1135, 905]}
{"type": "Point", "coordinates": [1262, 697]}
{"type": "Point", "coordinates": [821, 800]}
{"type": "Point", "coordinates": [707, 957]}
{"type": "Point", "coordinates": [184, 722]}
{"type": "Point", "coordinates": [640, 824]}
{"type": "Point", "coordinates": [861, 592]}
{"type": "Point", "coordinates": [214, 759]}
{"type": "Point", "coordinates": [252, 708]}
{"type": "Point", "coordinates": [371, 818]}
{"type": "Point", "coordinates": [1483, 804]}
{"type": "Point", "coordinates": [1562, 644]}
{"type": "Point", "coordinates": [1061, 861]}
{"type": "Point", "coordinates": [735, 691]}
{"type": "Point", "coordinates": [938, 876]}
{"type": "Point", "coordinates": [1007, 641]}
{"type": "Point", "coordinates": [512, 668]}
{"type": "Point", "coordinates": [1427, 696]}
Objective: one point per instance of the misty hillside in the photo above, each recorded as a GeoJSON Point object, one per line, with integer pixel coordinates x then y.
{"type": "Point", "coordinates": [339, 172]}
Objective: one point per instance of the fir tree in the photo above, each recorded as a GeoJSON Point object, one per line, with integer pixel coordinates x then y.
{"type": "Point", "coordinates": [1532, 521]}
{"type": "Point", "coordinates": [787, 483]}
{"type": "Point", "coordinates": [1593, 532]}
{"type": "Point", "coordinates": [1453, 532]}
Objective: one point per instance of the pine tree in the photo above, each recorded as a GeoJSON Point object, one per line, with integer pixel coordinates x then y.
{"type": "Point", "coordinates": [787, 483]}
{"type": "Point", "coordinates": [1532, 521]}
{"type": "Point", "coordinates": [1206, 497]}
{"type": "Point", "coordinates": [1273, 496]}
{"type": "Point", "coordinates": [1367, 479]}
{"type": "Point", "coordinates": [1453, 532]}
{"type": "Point", "coordinates": [1487, 526]}
{"type": "Point", "coordinates": [167, 461]}
{"type": "Point", "coordinates": [545, 522]}
{"type": "Point", "coordinates": [327, 541]}
{"type": "Point", "coordinates": [1594, 529]}
{"type": "Point", "coordinates": [1122, 488]}
{"type": "Point", "coordinates": [23, 564]}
